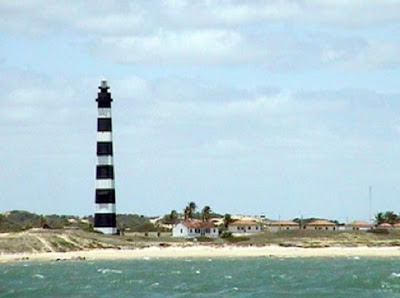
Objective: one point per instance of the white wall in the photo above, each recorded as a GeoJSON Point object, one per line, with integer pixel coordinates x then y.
{"type": "Point", "coordinates": [283, 228]}
{"type": "Point", "coordinates": [181, 231]}
{"type": "Point", "coordinates": [322, 228]}
{"type": "Point", "coordinates": [244, 229]}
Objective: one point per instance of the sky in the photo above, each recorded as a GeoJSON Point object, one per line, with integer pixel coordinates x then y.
{"type": "Point", "coordinates": [279, 108]}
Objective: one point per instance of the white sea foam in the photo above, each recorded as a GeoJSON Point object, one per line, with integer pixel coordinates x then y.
{"type": "Point", "coordinates": [197, 271]}
{"type": "Point", "coordinates": [105, 271]}
{"type": "Point", "coordinates": [394, 274]}
{"type": "Point", "coordinates": [39, 276]}
{"type": "Point", "coordinates": [228, 276]}
{"type": "Point", "coordinates": [137, 281]}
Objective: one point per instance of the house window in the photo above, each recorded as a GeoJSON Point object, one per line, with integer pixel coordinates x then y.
{"type": "Point", "coordinates": [214, 230]}
{"type": "Point", "coordinates": [191, 230]}
{"type": "Point", "coordinates": [256, 228]}
{"type": "Point", "coordinates": [208, 231]}
{"type": "Point", "coordinates": [238, 228]}
{"type": "Point", "coordinates": [249, 228]}
{"type": "Point", "coordinates": [181, 231]}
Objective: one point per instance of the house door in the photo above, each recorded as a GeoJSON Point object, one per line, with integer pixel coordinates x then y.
{"type": "Point", "coordinates": [202, 232]}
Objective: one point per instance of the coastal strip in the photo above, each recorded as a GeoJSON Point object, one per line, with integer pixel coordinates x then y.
{"type": "Point", "coordinates": [205, 252]}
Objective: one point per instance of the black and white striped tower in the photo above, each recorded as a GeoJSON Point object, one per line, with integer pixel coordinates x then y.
{"type": "Point", "coordinates": [104, 217]}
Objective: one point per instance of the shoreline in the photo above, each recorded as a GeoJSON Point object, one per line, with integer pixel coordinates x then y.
{"type": "Point", "coordinates": [174, 252]}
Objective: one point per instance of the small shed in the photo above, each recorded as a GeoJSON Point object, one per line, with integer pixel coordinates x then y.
{"type": "Point", "coordinates": [396, 225]}
{"type": "Point", "coordinates": [359, 225]}
{"type": "Point", "coordinates": [244, 227]}
{"type": "Point", "coordinates": [321, 224]}
{"type": "Point", "coordinates": [283, 225]}
{"type": "Point", "coordinates": [385, 225]}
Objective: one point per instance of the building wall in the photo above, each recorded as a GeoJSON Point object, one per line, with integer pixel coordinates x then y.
{"type": "Point", "coordinates": [322, 228]}
{"type": "Point", "coordinates": [283, 228]}
{"type": "Point", "coordinates": [181, 231]}
{"type": "Point", "coordinates": [244, 229]}
{"type": "Point", "coordinates": [350, 228]}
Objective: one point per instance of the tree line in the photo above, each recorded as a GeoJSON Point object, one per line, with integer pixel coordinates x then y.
{"type": "Point", "coordinates": [389, 217]}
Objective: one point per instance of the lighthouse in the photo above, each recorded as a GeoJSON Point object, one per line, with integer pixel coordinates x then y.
{"type": "Point", "coordinates": [104, 217]}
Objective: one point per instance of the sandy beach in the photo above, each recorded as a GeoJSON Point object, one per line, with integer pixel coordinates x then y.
{"type": "Point", "coordinates": [205, 252]}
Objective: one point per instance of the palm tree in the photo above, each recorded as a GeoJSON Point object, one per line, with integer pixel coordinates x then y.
{"type": "Point", "coordinates": [205, 213]}
{"type": "Point", "coordinates": [379, 218]}
{"type": "Point", "coordinates": [189, 210]}
{"type": "Point", "coordinates": [227, 220]}
{"type": "Point", "coordinates": [390, 217]}
{"type": "Point", "coordinates": [172, 218]}
{"type": "Point", "coordinates": [187, 213]}
{"type": "Point", "coordinates": [173, 215]}
{"type": "Point", "coordinates": [193, 206]}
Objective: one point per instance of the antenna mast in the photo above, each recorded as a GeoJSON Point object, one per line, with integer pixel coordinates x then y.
{"type": "Point", "coordinates": [370, 202]}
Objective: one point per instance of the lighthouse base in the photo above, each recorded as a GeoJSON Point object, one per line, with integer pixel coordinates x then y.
{"type": "Point", "coordinates": [107, 231]}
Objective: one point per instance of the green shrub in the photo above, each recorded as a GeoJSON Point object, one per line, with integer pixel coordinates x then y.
{"type": "Point", "coordinates": [226, 234]}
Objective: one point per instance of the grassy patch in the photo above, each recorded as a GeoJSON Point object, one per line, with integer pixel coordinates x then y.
{"type": "Point", "coordinates": [237, 239]}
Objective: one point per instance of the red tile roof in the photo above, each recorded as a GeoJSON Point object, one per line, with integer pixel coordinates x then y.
{"type": "Point", "coordinates": [321, 222]}
{"type": "Point", "coordinates": [197, 224]}
{"type": "Point", "coordinates": [284, 223]}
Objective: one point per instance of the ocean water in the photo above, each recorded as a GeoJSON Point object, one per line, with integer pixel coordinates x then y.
{"type": "Point", "coordinates": [204, 277]}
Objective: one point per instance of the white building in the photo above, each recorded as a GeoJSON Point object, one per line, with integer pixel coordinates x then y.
{"type": "Point", "coordinates": [244, 227]}
{"type": "Point", "coordinates": [195, 228]}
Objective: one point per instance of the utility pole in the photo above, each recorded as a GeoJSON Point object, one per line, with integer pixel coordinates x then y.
{"type": "Point", "coordinates": [370, 203]}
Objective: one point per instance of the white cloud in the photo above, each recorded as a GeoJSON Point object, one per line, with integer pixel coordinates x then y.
{"type": "Point", "coordinates": [376, 55]}
{"type": "Point", "coordinates": [34, 103]}
{"type": "Point", "coordinates": [225, 148]}
{"type": "Point", "coordinates": [219, 32]}
{"type": "Point", "coordinates": [122, 16]}
{"type": "Point", "coordinates": [166, 46]}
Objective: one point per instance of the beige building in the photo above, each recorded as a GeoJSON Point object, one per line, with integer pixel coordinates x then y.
{"type": "Point", "coordinates": [244, 227]}
{"type": "Point", "coordinates": [283, 225]}
{"type": "Point", "coordinates": [321, 224]}
{"type": "Point", "coordinates": [359, 225]}
{"type": "Point", "coordinates": [385, 225]}
{"type": "Point", "coordinates": [396, 225]}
